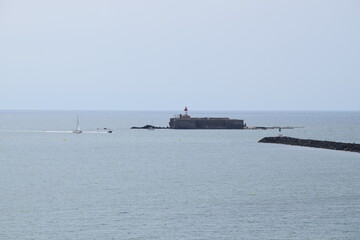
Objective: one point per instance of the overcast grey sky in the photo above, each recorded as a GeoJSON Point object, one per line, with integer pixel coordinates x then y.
{"type": "Point", "coordinates": [165, 54]}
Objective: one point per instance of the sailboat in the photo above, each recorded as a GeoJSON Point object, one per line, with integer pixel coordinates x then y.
{"type": "Point", "coordinates": [77, 129]}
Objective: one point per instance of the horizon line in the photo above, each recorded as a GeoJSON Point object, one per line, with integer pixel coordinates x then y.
{"type": "Point", "coordinates": [168, 110]}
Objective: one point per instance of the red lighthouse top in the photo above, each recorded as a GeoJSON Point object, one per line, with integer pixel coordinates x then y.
{"type": "Point", "coordinates": [185, 109]}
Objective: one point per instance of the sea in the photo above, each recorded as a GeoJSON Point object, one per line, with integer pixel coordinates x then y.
{"type": "Point", "coordinates": [176, 184]}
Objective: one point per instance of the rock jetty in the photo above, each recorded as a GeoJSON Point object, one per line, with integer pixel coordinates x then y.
{"type": "Point", "coordinates": [350, 147]}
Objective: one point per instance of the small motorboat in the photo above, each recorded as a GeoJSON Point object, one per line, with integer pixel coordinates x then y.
{"type": "Point", "coordinates": [108, 130]}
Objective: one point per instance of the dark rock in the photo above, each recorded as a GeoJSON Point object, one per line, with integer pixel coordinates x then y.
{"type": "Point", "coordinates": [149, 127]}
{"type": "Point", "coordinates": [266, 128]}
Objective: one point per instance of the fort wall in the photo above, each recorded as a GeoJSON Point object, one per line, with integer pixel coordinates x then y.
{"type": "Point", "coordinates": [206, 123]}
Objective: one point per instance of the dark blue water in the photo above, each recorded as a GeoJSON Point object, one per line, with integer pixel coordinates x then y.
{"type": "Point", "coordinates": [176, 184]}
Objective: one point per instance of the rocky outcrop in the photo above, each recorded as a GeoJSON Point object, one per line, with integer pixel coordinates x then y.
{"type": "Point", "coordinates": [351, 147]}
{"type": "Point", "coordinates": [149, 127]}
{"type": "Point", "coordinates": [266, 128]}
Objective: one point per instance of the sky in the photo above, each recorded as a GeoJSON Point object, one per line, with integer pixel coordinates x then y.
{"type": "Point", "coordinates": [254, 55]}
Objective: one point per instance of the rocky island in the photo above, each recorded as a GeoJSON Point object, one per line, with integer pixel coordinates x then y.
{"type": "Point", "coordinates": [184, 121]}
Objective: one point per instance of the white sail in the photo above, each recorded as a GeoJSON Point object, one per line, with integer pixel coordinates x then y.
{"type": "Point", "coordinates": [77, 125]}
{"type": "Point", "coordinates": [77, 130]}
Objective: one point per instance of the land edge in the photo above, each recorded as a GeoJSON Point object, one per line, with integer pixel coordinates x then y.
{"type": "Point", "coordinates": [339, 146]}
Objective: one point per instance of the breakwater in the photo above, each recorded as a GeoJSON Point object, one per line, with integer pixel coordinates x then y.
{"type": "Point", "coordinates": [351, 147]}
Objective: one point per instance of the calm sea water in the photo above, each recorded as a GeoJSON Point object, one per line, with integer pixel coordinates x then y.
{"type": "Point", "coordinates": [176, 184]}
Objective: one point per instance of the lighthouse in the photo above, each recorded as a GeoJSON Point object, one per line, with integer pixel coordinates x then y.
{"type": "Point", "coordinates": [185, 115]}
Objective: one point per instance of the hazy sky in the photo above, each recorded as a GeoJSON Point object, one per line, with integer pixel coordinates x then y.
{"type": "Point", "coordinates": [165, 54]}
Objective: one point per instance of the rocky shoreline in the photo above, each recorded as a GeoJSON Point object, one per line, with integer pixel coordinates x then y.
{"type": "Point", "coordinates": [350, 147]}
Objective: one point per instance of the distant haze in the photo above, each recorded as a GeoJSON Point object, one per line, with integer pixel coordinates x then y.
{"type": "Point", "coordinates": [165, 54]}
